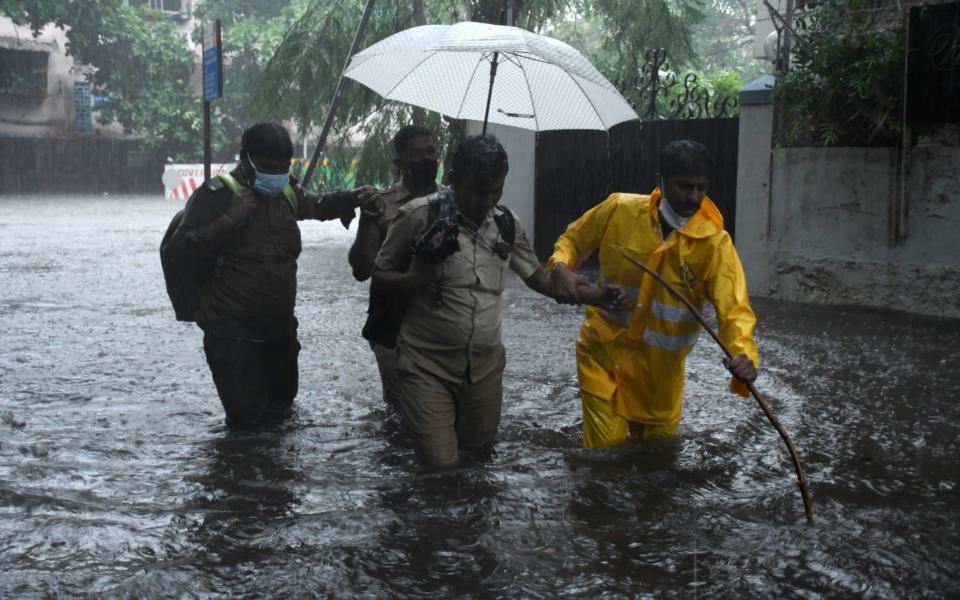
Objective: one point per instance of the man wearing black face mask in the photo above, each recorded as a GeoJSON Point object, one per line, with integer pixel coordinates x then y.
{"type": "Point", "coordinates": [239, 233]}
{"type": "Point", "coordinates": [415, 156]}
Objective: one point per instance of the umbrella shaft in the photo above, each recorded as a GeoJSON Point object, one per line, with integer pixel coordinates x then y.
{"type": "Point", "coordinates": [493, 75]}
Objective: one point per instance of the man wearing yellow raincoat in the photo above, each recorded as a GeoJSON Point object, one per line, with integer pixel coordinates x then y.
{"type": "Point", "coordinates": [630, 360]}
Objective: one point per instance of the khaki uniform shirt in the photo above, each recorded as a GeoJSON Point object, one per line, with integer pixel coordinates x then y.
{"type": "Point", "coordinates": [393, 199]}
{"type": "Point", "coordinates": [452, 328]}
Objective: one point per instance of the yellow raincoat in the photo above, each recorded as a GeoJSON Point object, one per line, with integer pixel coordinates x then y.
{"type": "Point", "coordinates": [635, 358]}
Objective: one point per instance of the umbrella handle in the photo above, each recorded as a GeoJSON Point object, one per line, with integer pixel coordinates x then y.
{"type": "Point", "coordinates": [794, 455]}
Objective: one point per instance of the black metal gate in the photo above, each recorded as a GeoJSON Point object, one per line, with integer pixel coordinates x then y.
{"type": "Point", "coordinates": [633, 165]}
{"type": "Point", "coordinates": [578, 169]}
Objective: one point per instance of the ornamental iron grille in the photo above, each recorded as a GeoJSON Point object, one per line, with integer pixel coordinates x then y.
{"type": "Point", "coordinates": [657, 92]}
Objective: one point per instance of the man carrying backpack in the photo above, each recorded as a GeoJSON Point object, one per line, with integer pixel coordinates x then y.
{"type": "Point", "coordinates": [415, 156]}
{"type": "Point", "coordinates": [239, 238]}
{"type": "Point", "coordinates": [449, 254]}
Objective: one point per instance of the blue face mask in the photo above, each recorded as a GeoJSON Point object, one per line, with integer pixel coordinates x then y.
{"type": "Point", "coordinates": [269, 183]}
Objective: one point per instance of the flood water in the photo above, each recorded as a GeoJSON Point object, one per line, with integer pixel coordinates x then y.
{"type": "Point", "coordinates": [118, 478]}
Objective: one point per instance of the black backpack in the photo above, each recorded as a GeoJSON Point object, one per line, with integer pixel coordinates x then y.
{"type": "Point", "coordinates": [183, 286]}
{"type": "Point", "coordinates": [385, 314]}
{"type": "Point", "coordinates": [183, 281]}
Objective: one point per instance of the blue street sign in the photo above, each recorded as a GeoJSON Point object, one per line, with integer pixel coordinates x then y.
{"type": "Point", "coordinates": [212, 64]}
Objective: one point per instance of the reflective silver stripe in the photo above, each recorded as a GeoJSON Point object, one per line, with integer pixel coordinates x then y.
{"type": "Point", "coordinates": [674, 314]}
{"type": "Point", "coordinates": [670, 342]}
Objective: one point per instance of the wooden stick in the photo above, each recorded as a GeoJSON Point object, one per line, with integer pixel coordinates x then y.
{"type": "Point", "coordinates": [801, 479]}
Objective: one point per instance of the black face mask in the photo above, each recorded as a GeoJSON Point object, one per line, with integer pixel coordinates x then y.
{"type": "Point", "coordinates": [422, 172]}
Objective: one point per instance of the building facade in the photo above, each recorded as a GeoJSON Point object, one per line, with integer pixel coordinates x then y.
{"type": "Point", "coordinates": [44, 92]}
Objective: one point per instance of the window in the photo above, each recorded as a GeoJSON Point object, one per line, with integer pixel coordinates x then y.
{"type": "Point", "coordinates": [171, 7]}
{"type": "Point", "coordinates": [82, 106]}
{"type": "Point", "coordinates": [23, 72]}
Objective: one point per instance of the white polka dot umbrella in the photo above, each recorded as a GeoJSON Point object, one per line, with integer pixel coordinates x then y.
{"type": "Point", "coordinates": [494, 73]}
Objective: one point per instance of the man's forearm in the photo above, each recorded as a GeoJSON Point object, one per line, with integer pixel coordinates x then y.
{"type": "Point", "coordinates": [565, 284]}
{"type": "Point", "coordinates": [591, 294]}
{"type": "Point", "coordinates": [327, 206]}
{"type": "Point", "coordinates": [363, 252]}
{"type": "Point", "coordinates": [540, 283]}
{"type": "Point", "coordinates": [587, 293]}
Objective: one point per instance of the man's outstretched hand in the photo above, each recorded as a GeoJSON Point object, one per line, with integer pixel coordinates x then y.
{"type": "Point", "coordinates": [615, 298]}
{"type": "Point", "coordinates": [371, 202]}
{"type": "Point", "coordinates": [347, 202]}
{"type": "Point", "coordinates": [741, 367]}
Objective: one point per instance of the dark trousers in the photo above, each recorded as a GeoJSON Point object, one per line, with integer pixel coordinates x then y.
{"type": "Point", "coordinates": [255, 380]}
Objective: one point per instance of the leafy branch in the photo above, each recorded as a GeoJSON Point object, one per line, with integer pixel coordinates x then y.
{"type": "Point", "coordinates": [845, 85]}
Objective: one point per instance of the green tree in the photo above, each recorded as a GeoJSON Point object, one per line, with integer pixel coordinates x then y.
{"type": "Point", "coordinates": [35, 13]}
{"type": "Point", "coordinates": [723, 39]}
{"type": "Point", "coordinates": [632, 29]}
{"type": "Point", "coordinates": [252, 30]}
{"type": "Point", "coordinates": [845, 84]}
{"type": "Point", "coordinates": [692, 86]}
{"type": "Point", "coordinates": [143, 67]}
{"type": "Point", "coordinates": [300, 78]}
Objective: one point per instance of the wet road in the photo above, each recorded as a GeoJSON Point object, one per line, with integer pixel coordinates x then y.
{"type": "Point", "coordinates": [118, 479]}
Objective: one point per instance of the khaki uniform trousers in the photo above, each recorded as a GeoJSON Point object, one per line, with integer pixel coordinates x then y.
{"type": "Point", "coordinates": [446, 416]}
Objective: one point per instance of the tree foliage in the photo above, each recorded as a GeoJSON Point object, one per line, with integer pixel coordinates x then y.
{"type": "Point", "coordinates": [723, 39]}
{"type": "Point", "coordinates": [34, 13]}
{"type": "Point", "coordinates": [711, 83]}
{"type": "Point", "coordinates": [300, 78]}
{"type": "Point", "coordinates": [252, 30]}
{"type": "Point", "coordinates": [143, 67]}
{"type": "Point", "coordinates": [633, 28]}
{"type": "Point", "coordinates": [845, 83]}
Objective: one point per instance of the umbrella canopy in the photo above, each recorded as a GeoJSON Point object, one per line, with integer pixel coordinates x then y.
{"type": "Point", "coordinates": [541, 83]}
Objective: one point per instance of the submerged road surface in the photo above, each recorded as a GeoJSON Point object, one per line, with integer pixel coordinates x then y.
{"type": "Point", "coordinates": [118, 479]}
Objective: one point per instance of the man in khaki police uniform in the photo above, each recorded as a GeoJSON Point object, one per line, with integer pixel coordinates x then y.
{"type": "Point", "coordinates": [415, 156]}
{"type": "Point", "coordinates": [450, 358]}
{"type": "Point", "coordinates": [449, 355]}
